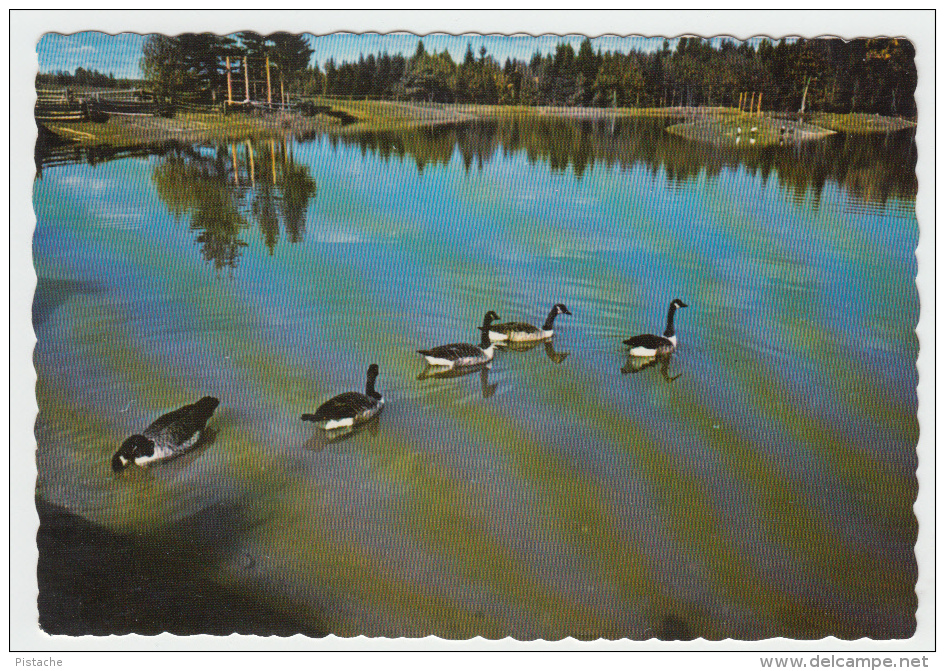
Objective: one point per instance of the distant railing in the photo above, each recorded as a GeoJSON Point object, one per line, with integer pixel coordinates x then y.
{"type": "Point", "coordinates": [251, 105]}
{"type": "Point", "coordinates": [61, 111]}
{"type": "Point", "coordinates": [72, 104]}
{"type": "Point", "coordinates": [125, 108]}
{"type": "Point", "coordinates": [364, 96]}
{"type": "Point", "coordinates": [75, 104]}
{"type": "Point", "coordinates": [82, 93]}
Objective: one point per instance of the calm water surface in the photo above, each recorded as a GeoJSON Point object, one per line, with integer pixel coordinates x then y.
{"type": "Point", "coordinates": [760, 483]}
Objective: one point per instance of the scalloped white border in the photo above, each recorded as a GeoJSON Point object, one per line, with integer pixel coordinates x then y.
{"type": "Point", "coordinates": [26, 27]}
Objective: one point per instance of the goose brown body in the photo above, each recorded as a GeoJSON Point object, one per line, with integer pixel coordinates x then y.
{"type": "Point", "coordinates": [463, 354]}
{"type": "Point", "coordinates": [168, 436]}
{"type": "Point", "coordinates": [649, 344]}
{"type": "Point", "coordinates": [523, 331]}
{"type": "Point", "coordinates": [349, 408]}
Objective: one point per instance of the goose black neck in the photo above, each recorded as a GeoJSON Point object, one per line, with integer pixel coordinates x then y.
{"type": "Point", "coordinates": [669, 321]}
{"type": "Point", "coordinates": [550, 321]}
{"type": "Point", "coordinates": [486, 325]}
{"type": "Point", "coordinates": [369, 387]}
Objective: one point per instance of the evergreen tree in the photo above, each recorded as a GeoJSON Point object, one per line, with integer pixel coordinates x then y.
{"type": "Point", "coordinates": [162, 63]}
{"type": "Point", "coordinates": [291, 55]}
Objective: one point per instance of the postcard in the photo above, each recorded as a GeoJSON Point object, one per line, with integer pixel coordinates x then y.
{"type": "Point", "coordinates": [518, 335]}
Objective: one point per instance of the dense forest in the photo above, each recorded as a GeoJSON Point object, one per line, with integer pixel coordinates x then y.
{"type": "Point", "coordinates": [85, 78]}
{"type": "Point", "coordinates": [875, 75]}
{"type": "Point", "coordinates": [831, 75]}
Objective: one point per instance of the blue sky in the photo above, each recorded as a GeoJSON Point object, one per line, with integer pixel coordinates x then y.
{"type": "Point", "coordinates": [121, 53]}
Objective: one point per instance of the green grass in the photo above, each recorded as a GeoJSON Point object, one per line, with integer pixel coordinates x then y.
{"type": "Point", "coordinates": [185, 126]}
{"type": "Point", "coordinates": [711, 125]}
{"type": "Point", "coordinates": [861, 123]}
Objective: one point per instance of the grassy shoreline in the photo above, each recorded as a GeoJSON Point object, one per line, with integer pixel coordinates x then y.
{"type": "Point", "coordinates": [716, 125]}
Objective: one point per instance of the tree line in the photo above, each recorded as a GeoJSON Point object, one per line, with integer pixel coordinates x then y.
{"type": "Point", "coordinates": [831, 75]}
{"type": "Point", "coordinates": [85, 78]}
{"type": "Point", "coordinates": [864, 75]}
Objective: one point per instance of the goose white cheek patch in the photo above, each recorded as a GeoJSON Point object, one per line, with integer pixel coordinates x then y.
{"type": "Point", "coordinates": [700, 427]}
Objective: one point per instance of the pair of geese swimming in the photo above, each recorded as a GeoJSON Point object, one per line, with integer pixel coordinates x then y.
{"type": "Point", "coordinates": [177, 431]}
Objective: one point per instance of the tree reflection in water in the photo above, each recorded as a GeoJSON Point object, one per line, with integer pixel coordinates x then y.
{"type": "Point", "coordinates": [871, 166]}
{"type": "Point", "coordinates": [226, 189]}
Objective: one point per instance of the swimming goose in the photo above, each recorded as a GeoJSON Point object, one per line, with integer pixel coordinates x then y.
{"type": "Point", "coordinates": [168, 436]}
{"type": "Point", "coordinates": [464, 354]}
{"type": "Point", "coordinates": [654, 345]}
{"type": "Point", "coordinates": [349, 408]}
{"type": "Point", "coordinates": [521, 332]}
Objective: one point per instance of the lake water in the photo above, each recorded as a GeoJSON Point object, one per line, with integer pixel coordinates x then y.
{"type": "Point", "coordinates": [759, 483]}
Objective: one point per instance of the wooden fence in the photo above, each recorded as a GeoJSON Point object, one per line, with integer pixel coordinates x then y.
{"type": "Point", "coordinates": [83, 104]}
{"type": "Point", "coordinates": [61, 111]}
{"type": "Point", "coordinates": [55, 105]}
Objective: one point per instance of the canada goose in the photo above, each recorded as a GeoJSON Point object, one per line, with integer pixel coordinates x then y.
{"type": "Point", "coordinates": [464, 354]}
{"type": "Point", "coordinates": [522, 332]}
{"type": "Point", "coordinates": [168, 436]}
{"type": "Point", "coordinates": [654, 345]}
{"type": "Point", "coordinates": [754, 128]}
{"type": "Point", "coordinates": [349, 408]}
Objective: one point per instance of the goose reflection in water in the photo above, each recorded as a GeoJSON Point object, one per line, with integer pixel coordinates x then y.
{"type": "Point", "coordinates": [483, 369]}
{"type": "Point", "coordinates": [323, 439]}
{"type": "Point", "coordinates": [549, 347]}
{"type": "Point", "coordinates": [637, 364]}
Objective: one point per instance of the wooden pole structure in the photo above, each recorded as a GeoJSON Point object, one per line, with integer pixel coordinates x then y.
{"type": "Point", "coordinates": [741, 99]}
{"type": "Point", "coordinates": [246, 75]}
{"type": "Point", "coordinates": [272, 153]}
{"type": "Point", "coordinates": [268, 82]}
{"type": "Point", "coordinates": [751, 105]}
{"type": "Point", "coordinates": [761, 93]}
{"type": "Point", "coordinates": [229, 83]}
{"type": "Point", "coordinates": [281, 89]}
